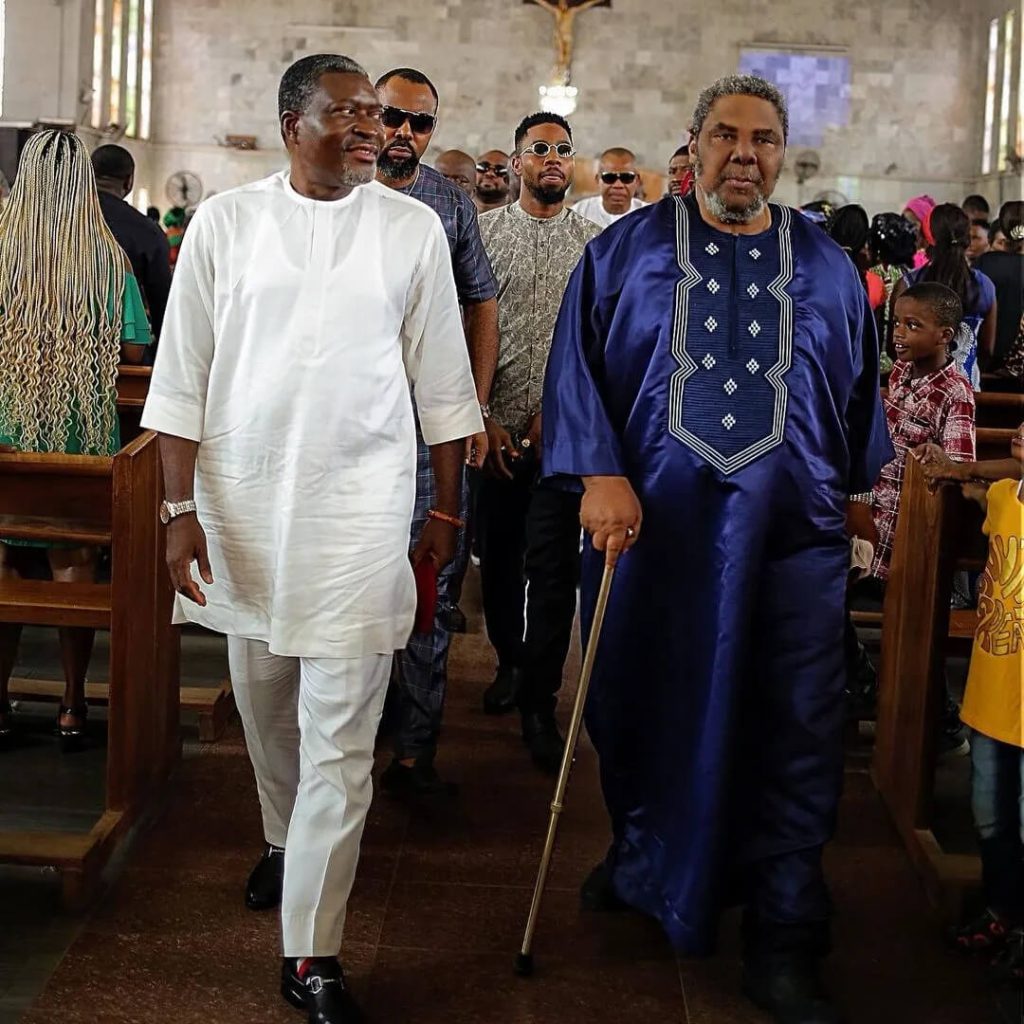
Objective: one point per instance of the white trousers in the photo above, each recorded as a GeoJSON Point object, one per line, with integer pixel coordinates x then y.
{"type": "Point", "coordinates": [310, 725]}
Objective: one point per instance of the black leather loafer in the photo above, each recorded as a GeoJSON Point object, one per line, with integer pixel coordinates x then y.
{"type": "Point", "coordinates": [541, 736]}
{"type": "Point", "coordinates": [263, 890]}
{"type": "Point", "coordinates": [500, 696]}
{"type": "Point", "coordinates": [323, 992]}
{"type": "Point", "coordinates": [787, 986]}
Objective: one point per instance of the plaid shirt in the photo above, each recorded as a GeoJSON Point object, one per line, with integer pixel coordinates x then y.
{"type": "Point", "coordinates": [939, 409]}
{"type": "Point", "coordinates": [474, 280]}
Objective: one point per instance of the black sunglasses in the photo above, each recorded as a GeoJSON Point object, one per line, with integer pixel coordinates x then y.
{"type": "Point", "coordinates": [542, 148]}
{"type": "Point", "coordinates": [395, 117]}
{"type": "Point", "coordinates": [626, 177]}
{"type": "Point", "coordinates": [499, 169]}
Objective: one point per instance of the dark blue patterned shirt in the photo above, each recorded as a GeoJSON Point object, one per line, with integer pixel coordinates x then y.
{"type": "Point", "coordinates": [474, 279]}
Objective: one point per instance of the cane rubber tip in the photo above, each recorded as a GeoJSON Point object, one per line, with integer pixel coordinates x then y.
{"type": "Point", "coordinates": [524, 964]}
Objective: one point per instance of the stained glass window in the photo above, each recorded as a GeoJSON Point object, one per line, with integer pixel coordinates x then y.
{"type": "Point", "coordinates": [816, 86]}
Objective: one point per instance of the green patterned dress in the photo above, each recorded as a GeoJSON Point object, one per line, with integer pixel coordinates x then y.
{"type": "Point", "coordinates": [134, 331]}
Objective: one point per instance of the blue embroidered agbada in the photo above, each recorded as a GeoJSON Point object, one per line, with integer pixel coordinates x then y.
{"type": "Point", "coordinates": [734, 380]}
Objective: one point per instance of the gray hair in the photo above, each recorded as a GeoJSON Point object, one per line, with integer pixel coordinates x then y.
{"type": "Point", "coordinates": [740, 85]}
{"type": "Point", "coordinates": [300, 81]}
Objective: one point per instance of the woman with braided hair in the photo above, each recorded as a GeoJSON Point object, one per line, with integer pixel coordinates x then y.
{"type": "Point", "coordinates": [69, 310]}
{"type": "Point", "coordinates": [951, 234]}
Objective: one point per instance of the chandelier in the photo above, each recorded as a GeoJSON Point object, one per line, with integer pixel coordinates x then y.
{"type": "Point", "coordinates": [558, 99]}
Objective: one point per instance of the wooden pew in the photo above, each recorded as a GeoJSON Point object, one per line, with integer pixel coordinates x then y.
{"type": "Point", "coordinates": [106, 501]}
{"type": "Point", "coordinates": [132, 389]}
{"type": "Point", "coordinates": [993, 409]}
{"type": "Point", "coordinates": [935, 535]}
{"type": "Point", "coordinates": [991, 443]}
{"type": "Point", "coordinates": [213, 705]}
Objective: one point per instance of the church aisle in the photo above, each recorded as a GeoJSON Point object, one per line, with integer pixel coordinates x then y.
{"type": "Point", "coordinates": [440, 902]}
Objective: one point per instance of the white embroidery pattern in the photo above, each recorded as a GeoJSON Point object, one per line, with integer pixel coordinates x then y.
{"type": "Point", "coordinates": [690, 278]}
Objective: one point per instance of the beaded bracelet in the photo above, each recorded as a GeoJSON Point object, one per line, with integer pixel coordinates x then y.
{"type": "Point", "coordinates": [443, 517]}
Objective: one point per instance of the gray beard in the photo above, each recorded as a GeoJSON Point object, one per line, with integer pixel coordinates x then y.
{"type": "Point", "coordinates": [731, 215]}
{"type": "Point", "coordinates": [354, 176]}
{"type": "Point", "coordinates": [728, 214]}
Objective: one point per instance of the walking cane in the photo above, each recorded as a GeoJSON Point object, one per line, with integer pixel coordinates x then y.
{"type": "Point", "coordinates": [524, 958]}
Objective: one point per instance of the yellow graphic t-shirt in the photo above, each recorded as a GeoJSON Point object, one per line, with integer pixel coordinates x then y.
{"type": "Point", "coordinates": [993, 702]}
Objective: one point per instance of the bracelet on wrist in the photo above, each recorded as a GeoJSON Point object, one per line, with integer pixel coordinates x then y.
{"type": "Point", "coordinates": [864, 498]}
{"type": "Point", "coordinates": [443, 517]}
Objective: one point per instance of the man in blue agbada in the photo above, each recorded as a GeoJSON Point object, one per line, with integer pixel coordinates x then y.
{"type": "Point", "coordinates": [714, 384]}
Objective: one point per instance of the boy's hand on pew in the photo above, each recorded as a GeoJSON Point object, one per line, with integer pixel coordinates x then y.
{"type": "Point", "coordinates": [938, 466]}
{"type": "Point", "coordinates": [186, 543]}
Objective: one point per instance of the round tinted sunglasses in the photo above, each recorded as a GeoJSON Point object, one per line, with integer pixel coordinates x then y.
{"type": "Point", "coordinates": [395, 117]}
{"type": "Point", "coordinates": [610, 177]}
{"type": "Point", "coordinates": [541, 148]}
{"type": "Point", "coordinates": [499, 169]}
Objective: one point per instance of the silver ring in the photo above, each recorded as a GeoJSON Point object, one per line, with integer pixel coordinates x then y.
{"type": "Point", "coordinates": [502, 448]}
{"type": "Point", "coordinates": [526, 442]}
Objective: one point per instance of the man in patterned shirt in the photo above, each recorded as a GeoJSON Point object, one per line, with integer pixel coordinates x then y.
{"type": "Point", "coordinates": [529, 533]}
{"type": "Point", "coordinates": [409, 110]}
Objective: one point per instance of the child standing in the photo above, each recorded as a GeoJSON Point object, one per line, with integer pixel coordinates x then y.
{"type": "Point", "coordinates": [929, 400]}
{"type": "Point", "coordinates": [994, 711]}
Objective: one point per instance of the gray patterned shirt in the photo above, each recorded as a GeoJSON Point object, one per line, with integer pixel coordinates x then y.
{"type": "Point", "coordinates": [532, 260]}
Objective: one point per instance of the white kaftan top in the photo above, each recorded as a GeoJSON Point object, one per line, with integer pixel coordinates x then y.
{"type": "Point", "coordinates": [294, 331]}
{"type": "Point", "coordinates": [593, 209]}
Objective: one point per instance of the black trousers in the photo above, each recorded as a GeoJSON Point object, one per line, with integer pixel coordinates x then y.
{"type": "Point", "coordinates": [528, 534]}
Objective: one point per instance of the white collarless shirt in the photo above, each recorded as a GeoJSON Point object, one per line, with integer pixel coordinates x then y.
{"type": "Point", "coordinates": [593, 209]}
{"type": "Point", "coordinates": [295, 330]}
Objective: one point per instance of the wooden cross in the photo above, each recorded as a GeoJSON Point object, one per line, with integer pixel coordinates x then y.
{"type": "Point", "coordinates": [564, 13]}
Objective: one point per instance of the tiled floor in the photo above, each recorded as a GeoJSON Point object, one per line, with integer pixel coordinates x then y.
{"type": "Point", "coordinates": [440, 901]}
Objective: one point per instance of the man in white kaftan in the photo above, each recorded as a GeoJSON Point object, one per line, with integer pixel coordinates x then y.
{"type": "Point", "coordinates": [304, 308]}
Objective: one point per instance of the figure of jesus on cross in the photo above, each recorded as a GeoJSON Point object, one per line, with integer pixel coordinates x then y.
{"type": "Point", "coordinates": [564, 13]}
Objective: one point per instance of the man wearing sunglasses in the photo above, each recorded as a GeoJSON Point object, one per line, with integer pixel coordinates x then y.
{"type": "Point", "coordinates": [533, 246]}
{"type": "Point", "coordinates": [493, 177]}
{"type": "Point", "coordinates": [618, 181]}
{"type": "Point", "coordinates": [409, 103]}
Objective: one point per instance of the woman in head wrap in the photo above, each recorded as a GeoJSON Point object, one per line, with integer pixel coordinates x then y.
{"type": "Point", "coordinates": [849, 230]}
{"type": "Point", "coordinates": [71, 309]}
{"type": "Point", "coordinates": [892, 243]}
{"type": "Point", "coordinates": [918, 212]}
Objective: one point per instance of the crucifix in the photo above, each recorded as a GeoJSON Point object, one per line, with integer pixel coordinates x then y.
{"type": "Point", "coordinates": [564, 13]}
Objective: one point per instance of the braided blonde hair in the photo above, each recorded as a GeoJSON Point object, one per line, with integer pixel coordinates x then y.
{"type": "Point", "coordinates": [61, 271]}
